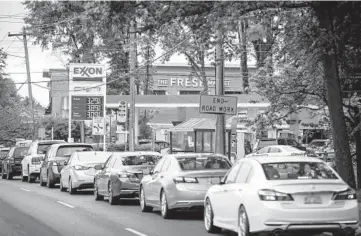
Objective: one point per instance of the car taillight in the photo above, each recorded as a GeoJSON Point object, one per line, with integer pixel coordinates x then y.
{"type": "Point", "coordinates": [272, 195]}
{"type": "Point", "coordinates": [35, 161]}
{"type": "Point", "coordinates": [349, 194]}
{"type": "Point", "coordinates": [78, 167]}
{"type": "Point", "coordinates": [127, 175]}
{"type": "Point", "coordinates": [191, 180]}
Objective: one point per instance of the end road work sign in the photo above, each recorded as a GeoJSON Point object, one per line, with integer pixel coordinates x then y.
{"type": "Point", "coordinates": [218, 104]}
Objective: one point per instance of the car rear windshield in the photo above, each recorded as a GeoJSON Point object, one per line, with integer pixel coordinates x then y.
{"type": "Point", "coordinates": [298, 170]}
{"type": "Point", "coordinates": [96, 157]}
{"type": "Point", "coordinates": [43, 146]}
{"type": "Point", "coordinates": [68, 150]}
{"type": "Point", "coordinates": [20, 152]}
{"type": "Point", "coordinates": [136, 160]}
{"type": "Point", "coordinates": [203, 163]}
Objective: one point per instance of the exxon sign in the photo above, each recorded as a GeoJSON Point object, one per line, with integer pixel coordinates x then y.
{"type": "Point", "coordinates": [87, 71]}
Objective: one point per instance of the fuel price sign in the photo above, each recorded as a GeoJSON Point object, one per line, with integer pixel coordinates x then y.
{"type": "Point", "coordinates": [87, 107]}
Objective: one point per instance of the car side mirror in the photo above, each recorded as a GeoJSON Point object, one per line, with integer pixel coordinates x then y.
{"type": "Point", "coordinates": [146, 172]}
{"type": "Point", "coordinates": [43, 158]}
{"type": "Point", "coordinates": [44, 151]}
{"type": "Point", "coordinates": [65, 163]}
{"type": "Point", "coordinates": [222, 182]}
{"type": "Point", "coordinates": [98, 167]}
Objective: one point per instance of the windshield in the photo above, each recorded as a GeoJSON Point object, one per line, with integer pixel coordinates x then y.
{"type": "Point", "coordinates": [203, 163]}
{"type": "Point", "coordinates": [66, 151]}
{"type": "Point", "coordinates": [136, 160]}
{"type": "Point", "coordinates": [318, 143]}
{"type": "Point", "coordinates": [94, 157]}
{"type": "Point", "coordinates": [297, 170]}
{"type": "Point", "coordinates": [20, 152]}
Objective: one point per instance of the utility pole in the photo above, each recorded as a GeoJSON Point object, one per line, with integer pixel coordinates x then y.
{"type": "Point", "coordinates": [29, 78]}
{"type": "Point", "coordinates": [132, 58]}
{"type": "Point", "coordinates": [220, 125]}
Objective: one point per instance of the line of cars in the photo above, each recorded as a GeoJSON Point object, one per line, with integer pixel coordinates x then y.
{"type": "Point", "coordinates": [264, 193]}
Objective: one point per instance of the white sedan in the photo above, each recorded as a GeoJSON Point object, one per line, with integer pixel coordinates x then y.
{"type": "Point", "coordinates": [278, 150]}
{"type": "Point", "coordinates": [78, 172]}
{"type": "Point", "coordinates": [281, 195]}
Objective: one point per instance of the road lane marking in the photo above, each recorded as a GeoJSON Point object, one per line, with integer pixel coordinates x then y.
{"type": "Point", "coordinates": [26, 190]}
{"type": "Point", "coordinates": [65, 204]}
{"type": "Point", "coordinates": [135, 232]}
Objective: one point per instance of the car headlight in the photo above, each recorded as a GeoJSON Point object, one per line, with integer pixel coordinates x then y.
{"type": "Point", "coordinates": [77, 167]}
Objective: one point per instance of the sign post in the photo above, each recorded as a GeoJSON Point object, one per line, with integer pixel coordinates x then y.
{"type": "Point", "coordinates": [87, 94]}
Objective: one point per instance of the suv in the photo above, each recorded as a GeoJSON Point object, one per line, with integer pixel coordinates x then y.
{"type": "Point", "coordinates": [53, 161]}
{"type": "Point", "coordinates": [11, 166]}
{"type": "Point", "coordinates": [265, 142]}
{"type": "Point", "coordinates": [31, 162]}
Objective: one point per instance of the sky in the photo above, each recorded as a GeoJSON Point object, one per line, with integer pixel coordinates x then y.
{"type": "Point", "coordinates": [11, 13]}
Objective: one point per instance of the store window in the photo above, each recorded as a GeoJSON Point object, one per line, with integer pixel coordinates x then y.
{"type": "Point", "coordinates": [189, 92]}
{"type": "Point", "coordinates": [232, 92]}
{"type": "Point", "coordinates": [159, 92]}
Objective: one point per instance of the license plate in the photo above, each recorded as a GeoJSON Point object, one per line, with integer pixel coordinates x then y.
{"type": "Point", "coordinates": [313, 199]}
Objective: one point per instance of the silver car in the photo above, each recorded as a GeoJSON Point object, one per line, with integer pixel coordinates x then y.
{"type": "Point", "coordinates": [181, 181]}
{"type": "Point", "coordinates": [120, 176]}
{"type": "Point", "coordinates": [78, 172]}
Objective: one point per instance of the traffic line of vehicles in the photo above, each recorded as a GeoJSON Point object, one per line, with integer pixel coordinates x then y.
{"type": "Point", "coordinates": [270, 192]}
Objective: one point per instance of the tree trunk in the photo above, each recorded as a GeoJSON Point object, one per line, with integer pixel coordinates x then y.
{"type": "Point", "coordinates": [334, 99]}
{"type": "Point", "coordinates": [243, 46]}
{"type": "Point", "coordinates": [358, 156]}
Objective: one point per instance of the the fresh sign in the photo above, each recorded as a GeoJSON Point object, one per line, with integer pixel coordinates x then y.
{"type": "Point", "coordinates": [188, 83]}
{"type": "Point", "coordinates": [218, 104]}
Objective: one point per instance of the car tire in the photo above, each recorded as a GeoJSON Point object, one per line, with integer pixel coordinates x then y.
{"type": "Point", "coordinates": [3, 175]}
{"type": "Point", "coordinates": [71, 190]}
{"type": "Point", "coordinates": [62, 189]}
{"type": "Point", "coordinates": [97, 197]}
{"type": "Point", "coordinates": [9, 176]}
{"type": "Point", "coordinates": [142, 202]}
{"type": "Point", "coordinates": [243, 223]}
{"type": "Point", "coordinates": [49, 184]}
{"type": "Point", "coordinates": [165, 211]}
{"type": "Point", "coordinates": [112, 200]}
{"type": "Point", "coordinates": [208, 218]}
{"type": "Point", "coordinates": [23, 178]}
{"type": "Point", "coordinates": [42, 183]}
{"type": "Point", "coordinates": [344, 234]}
{"type": "Point", "coordinates": [30, 179]}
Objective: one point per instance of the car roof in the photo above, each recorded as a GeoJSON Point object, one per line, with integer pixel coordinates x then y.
{"type": "Point", "coordinates": [280, 159]}
{"type": "Point", "coordinates": [51, 141]}
{"type": "Point", "coordinates": [135, 153]}
{"type": "Point", "coordinates": [319, 140]}
{"type": "Point", "coordinates": [93, 152]}
{"type": "Point", "coordinates": [71, 144]}
{"type": "Point", "coordinates": [268, 139]}
{"type": "Point", "coordinates": [279, 146]}
{"type": "Point", "coordinates": [189, 155]}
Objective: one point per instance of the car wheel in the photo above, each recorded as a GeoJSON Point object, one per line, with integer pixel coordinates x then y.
{"type": "Point", "coordinates": [70, 187]}
{"type": "Point", "coordinates": [96, 193]}
{"type": "Point", "coordinates": [142, 202]}
{"type": "Point", "coordinates": [243, 223]}
{"type": "Point", "coordinates": [23, 178]}
{"type": "Point", "coordinates": [9, 176]}
{"type": "Point", "coordinates": [30, 179]}
{"type": "Point", "coordinates": [112, 200]}
{"type": "Point", "coordinates": [353, 233]}
{"type": "Point", "coordinates": [208, 218]}
{"type": "Point", "coordinates": [49, 184]}
{"type": "Point", "coordinates": [62, 189]}
{"type": "Point", "coordinates": [42, 183]}
{"type": "Point", "coordinates": [3, 175]}
{"type": "Point", "coordinates": [165, 211]}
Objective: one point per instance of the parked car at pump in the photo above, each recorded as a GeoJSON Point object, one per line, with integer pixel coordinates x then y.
{"type": "Point", "coordinates": [265, 142]}
{"type": "Point", "coordinates": [180, 182]}
{"type": "Point", "coordinates": [278, 150]}
{"type": "Point", "coordinates": [78, 172]}
{"type": "Point", "coordinates": [53, 161]}
{"type": "Point", "coordinates": [317, 146]}
{"type": "Point", "coordinates": [3, 154]}
{"type": "Point", "coordinates": [282, 195]}
{"type": "Point", "coordinates": [11, 166]}
{"type": "Point", "coordinates": [120, 176]}
{"type": "Point", "coordinates": [32, 161]}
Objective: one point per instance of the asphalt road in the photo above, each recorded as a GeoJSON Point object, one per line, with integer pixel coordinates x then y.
{"type": "Point", "coordinates": [28, 209]}
{"type": "Point", "coordinates": [31, 210]}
